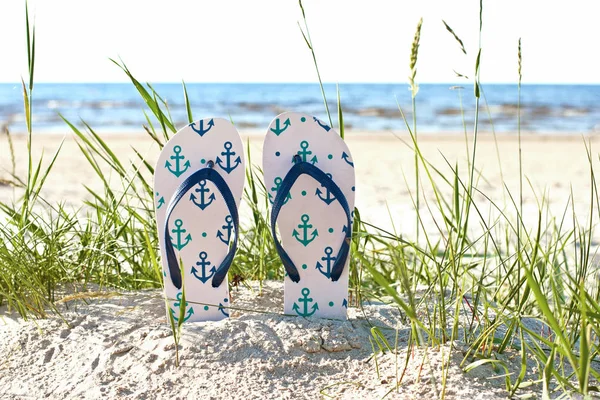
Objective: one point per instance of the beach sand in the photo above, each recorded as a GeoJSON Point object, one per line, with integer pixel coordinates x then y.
{"type": "Point", "coordinates": [554, 168]}
{"type": "Point", "coordinates": [121, 346]}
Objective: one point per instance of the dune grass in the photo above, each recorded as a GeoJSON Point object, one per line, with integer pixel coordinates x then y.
{"type": "Point", "coordinates": [484, 279]}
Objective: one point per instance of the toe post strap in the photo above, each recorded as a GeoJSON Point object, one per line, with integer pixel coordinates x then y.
{"type": "Point", "coordinates": [306, 168]}
{"type": "Point", "coordinates": [208, 174]}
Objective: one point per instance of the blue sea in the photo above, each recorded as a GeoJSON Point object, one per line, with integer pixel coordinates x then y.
{"type": "Point", "coordinates": [118, 107]}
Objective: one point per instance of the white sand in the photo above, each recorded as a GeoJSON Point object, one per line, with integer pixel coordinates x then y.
{"type": "Point", "coordinates": [121, 347]}
{"type": "Point", "coordinates": [554, 166]}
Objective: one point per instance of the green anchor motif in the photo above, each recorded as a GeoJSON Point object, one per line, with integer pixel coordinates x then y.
{"type": "Point", "coordinates": [305, 226]}
{"type": "Point", "coordinates": [160, 202]}
{"type": "Point", "coordinates": [277, 130]}
{"type": "Point", "coordinates": [177, 304]}
{"type": "Point", "coordinates": [177, 158]}
{"type": "Point", "coordinates": [304, 153]}
{"type": "Point", "coordinates": [277, 181]}
{"type": "Point", "coordinates": [305, 299]}
{"type": "Point", "coordinates": [180, 232]}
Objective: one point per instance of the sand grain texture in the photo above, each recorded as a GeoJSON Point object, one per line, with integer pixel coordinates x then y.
{"type": "Point", "coordinates": [121, 347]}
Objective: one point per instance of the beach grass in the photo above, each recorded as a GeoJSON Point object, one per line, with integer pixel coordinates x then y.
{"type": "Point", "coordinates": [483, 281]}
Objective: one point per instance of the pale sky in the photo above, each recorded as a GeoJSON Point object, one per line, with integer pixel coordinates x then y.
{"type": "Point", "coordinates": [259, 40]}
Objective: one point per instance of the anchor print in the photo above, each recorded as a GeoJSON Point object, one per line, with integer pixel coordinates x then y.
{"type": "Point", "coordinates": [346, 157]}
{"type": "Point", "coordinates": [305, 227]}
{"type": "Point", "coordinates": [179, 231]}
{"type": "Point", "coordinates": [322, 125]}
{"type": "Point", "coordinates": [228, 154]}
{"type": "Point", "coordinates": [305, 299]}
{"type": "Point", "coordinates": [328, 260]}
{"type": "Point", "coordinates": [277, 130]}
{"type": "Point", "coordinates": [202, 131]}
{"type": "Point", "coordinates": [177, 304]}
{"type": "Point", "coordinates": [277, 181]}
{"type": "Point", "coordinates": [328, 198]}
{"type": "Point", "coordinates": [203, 264]}
{"type": "Point", "coordinates": [203, 200]}
{"type": "Point", "coordinates": [177, 157]}
{"type": "Point", "coordinates": [228, 228]}
{"type": "Point", "coordinates": [223, 309]}
{"type": "Point", "coordinates": [160, 202]}
{"type": "Point", "coordinates": [304, 153]}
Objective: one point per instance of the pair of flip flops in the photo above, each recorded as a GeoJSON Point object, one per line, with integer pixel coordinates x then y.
{"type": "Point", "coordinates": [199, 181]}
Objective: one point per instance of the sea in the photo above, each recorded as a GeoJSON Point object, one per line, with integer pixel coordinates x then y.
{"type": "Point", "coordinates": [441, 108]}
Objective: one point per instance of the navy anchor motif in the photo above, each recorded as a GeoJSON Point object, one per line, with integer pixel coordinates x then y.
{"type": "Point", "coordinates": [328, 198]}
{"type": "Point", "coordinates": [223, 308]}
{"type": "Point", "coordinates": [203, 264]}
{"type": "Point", "coordinates": [322, 125]}
{"type": "Point", "coordinates": [203, 201]}
{"type": "Point", "coordinates": [328, 260]}
{"type": "Point", "coordinates": [228, 154]}
{"type": "Point", "coordinates": [228, 228]}
{"type": "Point", "coordinates": [202, 131]}
{"type": "Point", "coordinates": [346, 158]}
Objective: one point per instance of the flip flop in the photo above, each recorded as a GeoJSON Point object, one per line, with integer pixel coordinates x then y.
{"type": "Point", "coordinates": [198, 182]}
{"type": "Point", "coordinates": [309, 174]}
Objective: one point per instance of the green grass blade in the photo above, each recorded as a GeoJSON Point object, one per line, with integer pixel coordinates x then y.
{"type": "Point", "coordinates": [340, 113]}
{"type": "Point", "coordinates": [188, 108]}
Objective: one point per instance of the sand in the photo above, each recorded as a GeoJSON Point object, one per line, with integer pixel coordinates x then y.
{"type": "Point", "coordinates": [120, 346]}
{"type": "Point", "coordinates": [554, 166]}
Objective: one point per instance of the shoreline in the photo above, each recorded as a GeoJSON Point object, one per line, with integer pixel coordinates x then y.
{"type": "Point", "coordinates": [365, 133]}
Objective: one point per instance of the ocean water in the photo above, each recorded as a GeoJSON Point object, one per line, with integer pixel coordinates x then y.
{"type": "Point", "coordinates": [118, 107]}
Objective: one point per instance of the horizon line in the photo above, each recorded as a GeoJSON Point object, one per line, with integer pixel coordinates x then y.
{"type": "Point", "coordinates": [469, 83]}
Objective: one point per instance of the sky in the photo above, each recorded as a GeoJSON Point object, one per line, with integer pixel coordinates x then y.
{"type": "Point", "coordinates": [260, 41]}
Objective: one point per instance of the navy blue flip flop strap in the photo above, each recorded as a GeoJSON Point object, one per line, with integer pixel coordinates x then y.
{"type": "Point", "coordinates": [212, 175]}
{"type": "Point", "coordinates": [283, 191]}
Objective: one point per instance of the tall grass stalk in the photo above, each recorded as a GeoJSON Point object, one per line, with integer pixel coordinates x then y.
{"type": "Point", "coordinates": [414, 89]}
{"type": "Point", "coordinates": [309, 43]}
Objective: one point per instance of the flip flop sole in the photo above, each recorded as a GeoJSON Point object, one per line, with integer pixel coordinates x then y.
{"type": "Point", "coordinates": [311, 223]}
{"type": "Point", "coordinates": [200, 225]}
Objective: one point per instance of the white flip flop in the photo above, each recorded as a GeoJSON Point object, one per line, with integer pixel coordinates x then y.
{"type": "Point", "coordinates": [309, 174]}
{"type": "Point", "coordinates": [198, 182]}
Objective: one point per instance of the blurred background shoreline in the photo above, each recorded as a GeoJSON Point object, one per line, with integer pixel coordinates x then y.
{"type": "Point", "coordinates": [116, 107]}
